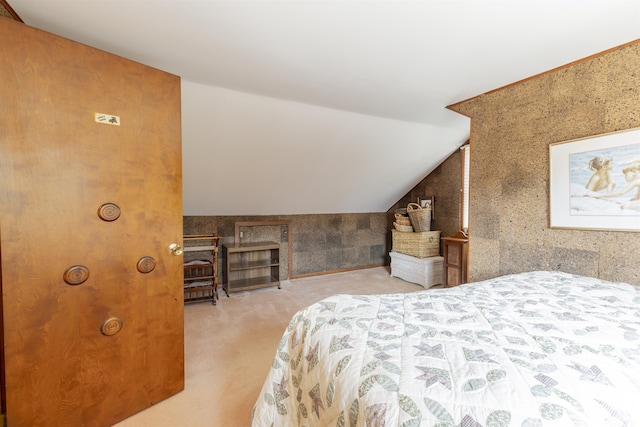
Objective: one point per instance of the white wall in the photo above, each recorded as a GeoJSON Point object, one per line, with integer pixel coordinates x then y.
{"type": "Point", "coordinates": [245, 154]}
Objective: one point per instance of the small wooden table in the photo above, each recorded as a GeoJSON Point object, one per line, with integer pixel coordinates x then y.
{"type": "Point", "coordinates": [456, 252]}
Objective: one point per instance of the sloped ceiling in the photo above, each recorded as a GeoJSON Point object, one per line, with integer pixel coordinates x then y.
{"type": "Point", "coordinates": [293, 107]}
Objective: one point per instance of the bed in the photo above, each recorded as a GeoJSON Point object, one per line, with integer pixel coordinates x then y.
{"type": "Point", "coordinates": [531, 349]}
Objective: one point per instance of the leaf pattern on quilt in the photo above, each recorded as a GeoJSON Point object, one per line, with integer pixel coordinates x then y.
{"type": "Point", "coordinates": [331, 390]}
{"type": "Point", "coordinates": [276, 363]}
{"type": "Point", "coordinates": [523, 363]}
{"type": "Point", "coordinates": [432, 376]}
{"type": "Point", "coordinates": [438, 411]}
{"type": "Point", "coordinates": [631, 336]}
{"type": "Point", "coordinates": [392, 346]}
{"type": "Point", "coordinates": [428, 332]}
{"type": "Point", "coordinates": [345, 324]}
{"type": "Point", "coordinates": [564, 396]}
{"type": "Point", "coordinates": [606, 348]}
{"type": "Point", "coordinates": [466, 335]}
{"type": "Point", "coordinates": [532, 422]}
{"type": "Point", "coordinates": [487, 337]}
{"type": "Point", "coordinates": [295, 362]}
{"type": "Point", "coordinates": [536, 356]}
{"type": "Point", "coordinates": [474, 384]}
{"type": "Point", "coordinates": [320, 322]}
{"type": "Point", "coordinates": [363, 324]}
{"type": "Point", "coordinates": [551, 411]}
{"type": "Point", "coordinates": [342, 365]}
{"type": "Point", "coordinates": [499, 419]}
{"type": "Point", "coordinates": [496, 375]}
{"type": "Point", "coordinates": [408, 405]}
{"type": "Point", "coordinates": [478, 355]}
{"type": "Point", "coordinates": [545, 344]}
{"type": "Point", "coordinates": [382, 380]}
{"type": "Point", "coordinates": [370, 367]}
{"type": "Point", "coordinates": [284, 356]}
{"type": "Point", "coordinates": [632, 353]}
{"type": "Point", "coordinates": [391, 367]}
{"type": "Point", "coordinates": [353, 413]}
{"type": "Point", "coordinates": [383, 337]}
{"type": "Point", "coordinates": [425, 349]}
{"type": "Point", "coordinates": [546, 368]}
{"type": "Point", "coordinates": [316, 399]}
{"type": "Point", "coordinates": [302, 411]}
{"type": "Point", "coordinates": [375, 346]}
{"type": "Point", "coordinates": [572, 349]}
{"type": "Point", "coordinates": [268, 397]}
{"type": "Point", "coordinates": [410, 330]}
{"type": "Point", "coordinates": [541, 391]}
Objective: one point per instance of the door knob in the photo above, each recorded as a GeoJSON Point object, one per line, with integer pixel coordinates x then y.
{"type": "Point", "coordinates": [175, 249]}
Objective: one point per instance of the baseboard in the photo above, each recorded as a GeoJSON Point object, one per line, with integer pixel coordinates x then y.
{"type": "Point", "coordinates": [342, 270]}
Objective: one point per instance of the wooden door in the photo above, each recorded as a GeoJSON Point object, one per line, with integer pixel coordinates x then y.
{"type": "Point", "coordinates": [92, 297]}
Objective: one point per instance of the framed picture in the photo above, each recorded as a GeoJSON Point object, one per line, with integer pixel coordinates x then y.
{"type": "Point", "coordinates": [594, 183]}
{"type": "Point", "coordinates": [428, 202]}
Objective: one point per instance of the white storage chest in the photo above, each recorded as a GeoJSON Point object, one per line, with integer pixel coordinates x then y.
{"type": "Point", "coordinates": [422, 271]}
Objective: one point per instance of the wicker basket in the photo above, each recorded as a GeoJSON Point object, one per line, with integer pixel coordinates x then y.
{"type": "Point", "coordinates": [402, 220]}
{"type": "Point", "coordinates": [420, 217]}
{"type": "Point", "coordinates": [419, 245]}
{"type": "Point", "coordinates": [404, 228]}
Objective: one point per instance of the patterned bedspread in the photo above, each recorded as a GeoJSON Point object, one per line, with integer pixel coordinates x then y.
{"type": "Point", "coordinates": [532, 349]}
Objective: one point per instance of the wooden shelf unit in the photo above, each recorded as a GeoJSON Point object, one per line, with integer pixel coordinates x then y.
{"type": "Point", "coordinates": [201, 268]}
{"type": "Point", "coordinates": [250, 266]}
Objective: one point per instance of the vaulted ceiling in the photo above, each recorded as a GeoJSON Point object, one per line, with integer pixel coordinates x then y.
{"type": "Point", "coordinates": [330, 106]}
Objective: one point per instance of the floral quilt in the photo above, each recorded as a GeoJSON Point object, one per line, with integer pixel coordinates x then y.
{"type": "Point", "coordinates": [527, 350]}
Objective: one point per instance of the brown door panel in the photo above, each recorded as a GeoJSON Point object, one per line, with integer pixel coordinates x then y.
{"type": "Point", "coordinates": [57, 168]}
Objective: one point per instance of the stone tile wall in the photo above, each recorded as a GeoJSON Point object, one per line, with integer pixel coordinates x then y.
{"type": "Point", "coordinates": [319, 243]}
{"type": "Point", "coordinates": [511, 129]}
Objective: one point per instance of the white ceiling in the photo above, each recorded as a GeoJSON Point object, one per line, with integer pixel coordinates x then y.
{"type": "Point", "coordinates": [403, 61]}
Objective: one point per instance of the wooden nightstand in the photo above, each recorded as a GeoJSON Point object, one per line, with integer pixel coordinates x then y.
{"type": "Point", "coordinates": [456, 251]}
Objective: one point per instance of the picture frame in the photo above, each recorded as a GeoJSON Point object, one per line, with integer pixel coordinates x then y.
{"type": "Point", "coordinates": [594, 182]}
{"type": "Point", "coordinates": [428, 201]}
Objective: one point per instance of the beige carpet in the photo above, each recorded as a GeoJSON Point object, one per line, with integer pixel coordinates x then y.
{"type": "Point", "coordinates": [229, 347]}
